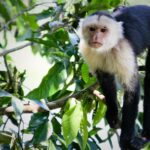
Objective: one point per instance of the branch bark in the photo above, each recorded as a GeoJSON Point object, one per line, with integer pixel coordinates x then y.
{"type": "Point", "coordinates": [5, 52]}
{"type": "Point", "coordinates": [33, 108]}
{"type": "Point", "coordinates": [27, 108]}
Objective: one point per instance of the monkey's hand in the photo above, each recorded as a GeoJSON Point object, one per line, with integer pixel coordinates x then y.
{"type": "Point", "coordinates": [136, 143]}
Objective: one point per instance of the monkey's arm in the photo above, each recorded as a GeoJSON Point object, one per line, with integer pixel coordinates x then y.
{"type": "Point", "coordinates": [108, 86]}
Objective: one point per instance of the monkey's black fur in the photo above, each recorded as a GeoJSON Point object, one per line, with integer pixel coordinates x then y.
{"type": "Point", "coordinates": [136, 24]}
{"type": "Point", "coordinates": [136, 29]}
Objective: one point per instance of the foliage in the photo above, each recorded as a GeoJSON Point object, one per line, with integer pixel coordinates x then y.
{"type": "Point", "coordinates": [55, 39]}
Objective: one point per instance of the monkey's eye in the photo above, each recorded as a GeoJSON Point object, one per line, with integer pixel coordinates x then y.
{"type": "Point", "coordinates": [103, 29]}
{"type": "Point", "coordinates": [92, 29]}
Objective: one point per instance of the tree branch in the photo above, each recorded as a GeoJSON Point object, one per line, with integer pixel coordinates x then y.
{"type": "Point", "coordinates": [5, 52]}
{"type": "Point", "coordinates": [33, 108]}
{"type": "Point", "coordinates": [27, 108]}
{"type": "Point", "coordinates": [19, 14]}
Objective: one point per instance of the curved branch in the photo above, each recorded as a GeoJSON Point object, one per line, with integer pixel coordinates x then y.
{"type": "Point", "coordinates": [5, 52]}
{"type": "Point", "coordinates": [33, 108]}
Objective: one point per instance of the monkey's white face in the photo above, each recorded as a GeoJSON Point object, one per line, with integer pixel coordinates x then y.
{"type": "Point", "coordinates": [101, 34]}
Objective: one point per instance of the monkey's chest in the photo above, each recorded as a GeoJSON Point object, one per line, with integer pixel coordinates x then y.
{"type": "Point", "coordinates": [121, 64]}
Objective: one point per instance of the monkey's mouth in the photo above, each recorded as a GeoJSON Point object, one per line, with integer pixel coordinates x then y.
{"type": "Point", "coordinates": [95, 44]}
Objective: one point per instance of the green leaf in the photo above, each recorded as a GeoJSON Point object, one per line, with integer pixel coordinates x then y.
{"type": "Point", "coordinates": [114, 2]}
{"type": "Point", "coordinates": [95, 5]}
{"type": "Point", "coordinates": [147, 146]}
{"type": "Point", "coordinates": [51, 83]}
{"type": "Point", "coordinates": [5, 137]}
{"type": "Point", "coordinates": [36, 48]}
{"type": "Point", "coordinates": [17, 106]}
{"type": "Point", "coordinates": [94, 131]}
{"type": "Point", "coordinates": [61, 35]}
{"type": "Point", "coordinates": [60, 139]}
{"type": "Point", "coordinates": [16, 103]}
{"type": "Point", "coordinates": [1, 120]}
{"type": "Point", "coordinates": [42, 133]}
{"type": "Point", "coordinates": [100, 112]}
{"type": "Point", "coordinates": [32, 2]}
{"type": "Point", "coordinates": [85, 73]}
{"type": "Point", "coordinates": [56, 126]}
{"type": "Point", "coordinates": [19, 4]}
{"type": "Point", "coordinates": [5, 98]}
{"type": "Point", "coordinates": [88, 105]}
{"type": "Point", "coordinates": [70, 3]}
{"type": "Point", "coordinates": [84, 130]}
{"type": "Point", "coordinates": [46, 13]}
{"type": "Point", "coordinates": [70, 104]}
{"type": "Point", "coordinates": [71, 122]}
{"type": "Point", "coordinates": [61, 1]}
{"type": "Point", "coordinates": [5, 11]}
{"type": "Point", "coordinates": [37, 119]}
{"type": "Point", "coordinates": [58, 54]}
{"type": "Point", "coordinates": [47, 42]}
{"type": "Point", "coordinates": [51, 145]}
{"type": "Point", "coordinates": [91, 81]}
{"type": "Point", "coordinates": [31, 19]}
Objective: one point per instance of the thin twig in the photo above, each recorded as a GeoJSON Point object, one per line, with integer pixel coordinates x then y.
{"type": "Point", "coordinates": [5, 52]}
{"type": "Point", "coordinates": [5, 124]}
{"type": "Point", "coordinates": [19, 14]}
{"type": "Point", "coordinates": [22, 138]}
{"type": "Point", "coordinates": [19, 136]}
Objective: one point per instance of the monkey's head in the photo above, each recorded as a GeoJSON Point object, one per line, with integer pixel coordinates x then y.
{"type": "Point", "coordinates": [100, 31]}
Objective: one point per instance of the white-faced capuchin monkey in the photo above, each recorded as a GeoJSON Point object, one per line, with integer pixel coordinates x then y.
{"type": "Point", "coordinates": [110, 44]}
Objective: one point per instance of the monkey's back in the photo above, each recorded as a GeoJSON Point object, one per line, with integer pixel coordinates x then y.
{"type": "Point", "coordinates": [136, 24]}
